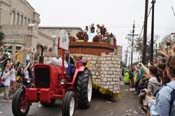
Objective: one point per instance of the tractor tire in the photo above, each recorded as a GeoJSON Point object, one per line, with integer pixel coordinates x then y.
{"type": "Point", "coordinates": [84, 89]}
{"type": "Point", "coordinates": [19, 107]}
{"type": "Point", "coordinates": [69, 102]}
{"type": "Point", "coordinates": [52, 103]}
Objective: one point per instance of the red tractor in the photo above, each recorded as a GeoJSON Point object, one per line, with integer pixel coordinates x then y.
{"type": "Point", "coordinates": [50, 84]}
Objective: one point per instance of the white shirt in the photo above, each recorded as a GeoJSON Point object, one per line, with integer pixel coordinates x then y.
{"type": "Point", "coordinates": [7, 78]}
{"type": "Point", "coordinates": [26, 74]}
{"type": "Point", "coordinates": [13, 74]}
{"type": "Point", "coordinates": [28, 57]}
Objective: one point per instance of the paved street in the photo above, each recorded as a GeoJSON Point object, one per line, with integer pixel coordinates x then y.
{"type": "Point", "coordinates": [127, 105]}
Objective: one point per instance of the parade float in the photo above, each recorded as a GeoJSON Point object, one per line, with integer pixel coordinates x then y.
{"type": "Point", "coordinates": [103, 56]}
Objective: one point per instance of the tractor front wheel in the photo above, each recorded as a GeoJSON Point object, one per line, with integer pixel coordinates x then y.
{"type": "Point", "coordinates": [84, 89]}
{"type": "Point", "coordinates": [20, 105]}
{"type": "Point", "coordinates": [69, 102]}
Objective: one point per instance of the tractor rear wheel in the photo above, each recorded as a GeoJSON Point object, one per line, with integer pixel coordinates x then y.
{"type": "Point", "coordinates": [20, 105]}
{"type": "Point", "coordinates": [69, 102]}
{"type": "Point", "coordinates": [84, 89]}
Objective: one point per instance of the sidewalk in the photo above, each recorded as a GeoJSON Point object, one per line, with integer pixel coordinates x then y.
{"type": "Point", "coordinates": [130, 102]}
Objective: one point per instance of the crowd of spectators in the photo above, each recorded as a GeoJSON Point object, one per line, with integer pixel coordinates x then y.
{"type": "Point", "coordinates": [154, 83]}
{"type": "Point", "coordinates": [13, 71]}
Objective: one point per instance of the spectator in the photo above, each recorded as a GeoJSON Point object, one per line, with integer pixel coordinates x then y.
{"type": "Point", "coordinates": [154, 81]}
{"type": "Point", "coordinates": [153, 86]}
{"type": "Point", "coordinates": [126, 77]}
{"type": "Point", "coordinates": [13, 79]}
{"type": "Point", "coordinates": [3, 63]}
{"type": "Point", "coordinates": [18, 56]}
{"type": "Point", "coordinates": [7, 78]}
{"type": "Point", "coordinates": [165, 97]}
{"type": "Point", "coordinates": [163, 73]}
{"type": "Point", "coordinates": [28, 57]}
{"type": "Point", "coordinates": [136, 80]}
{"type": "Point", "coordinates": [131, 79]}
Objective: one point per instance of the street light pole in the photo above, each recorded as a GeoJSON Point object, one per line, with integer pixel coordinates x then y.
{"type": "Point", "coordinates": [152, 32]}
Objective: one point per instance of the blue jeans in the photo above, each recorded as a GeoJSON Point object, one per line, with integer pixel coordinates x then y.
{"type": "Point", "coordinates": [70, 70]}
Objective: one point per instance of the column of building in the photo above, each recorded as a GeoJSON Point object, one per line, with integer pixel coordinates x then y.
{"type": "Point", "coordinates": [18, 18]}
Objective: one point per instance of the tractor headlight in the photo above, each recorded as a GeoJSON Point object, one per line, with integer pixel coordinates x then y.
{"type": "Point", "coordinates": [62, 82]}
{"type": "Point", "coordinates": [28, 80]}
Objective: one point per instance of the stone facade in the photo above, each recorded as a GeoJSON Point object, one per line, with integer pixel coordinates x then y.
{"type": "Point", "coordinates": [20, 23]}
{"type": "Point", "coordinates": [17, 12]}
{"type": "Point", "coordinates": [118, 52]}
{"type": "Point", "coordinates": [105, 71]}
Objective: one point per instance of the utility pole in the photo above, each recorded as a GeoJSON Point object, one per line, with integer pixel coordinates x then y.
{"type": "Point", "coordinates": [132, 42]}
{"type": "Point", "coordinates": [126, 57]}
{"type": "Point", "coordinates": [152, 32]}
{"type": "Point", "coordinates": [145, 34]}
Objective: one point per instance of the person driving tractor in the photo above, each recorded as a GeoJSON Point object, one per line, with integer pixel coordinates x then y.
{"type": "Point", "coordinates": [71, 64]}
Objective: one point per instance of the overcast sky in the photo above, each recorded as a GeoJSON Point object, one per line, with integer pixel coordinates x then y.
{"type": "Point", "coordinates": [117, 15]}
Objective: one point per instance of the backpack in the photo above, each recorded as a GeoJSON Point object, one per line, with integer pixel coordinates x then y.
{"type": "Point", "coordinates": [172, 100]}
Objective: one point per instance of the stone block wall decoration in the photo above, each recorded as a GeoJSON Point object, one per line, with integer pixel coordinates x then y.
{"type": "Point", "coordinates": [105, 70]}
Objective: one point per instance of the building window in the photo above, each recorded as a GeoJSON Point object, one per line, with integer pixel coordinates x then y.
{"type": "Point", "coordinates": [18, 18]}
{"type": "Point", "coordinates": [45, 49]}
{"type": "Point", "coordinates": [28, 21]}
{"type": "Point", "coordinates": [25, 20]}
{"type": "Point", "coordinates": [21, 19]}
{"type": "Point", "coordinates": [12, 14]}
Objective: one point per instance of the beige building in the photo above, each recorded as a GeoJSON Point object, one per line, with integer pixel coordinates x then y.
{"type": "Point", "coordinates": [20, 23]}
{"type": "Point", "coordinates": [53, 32]}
